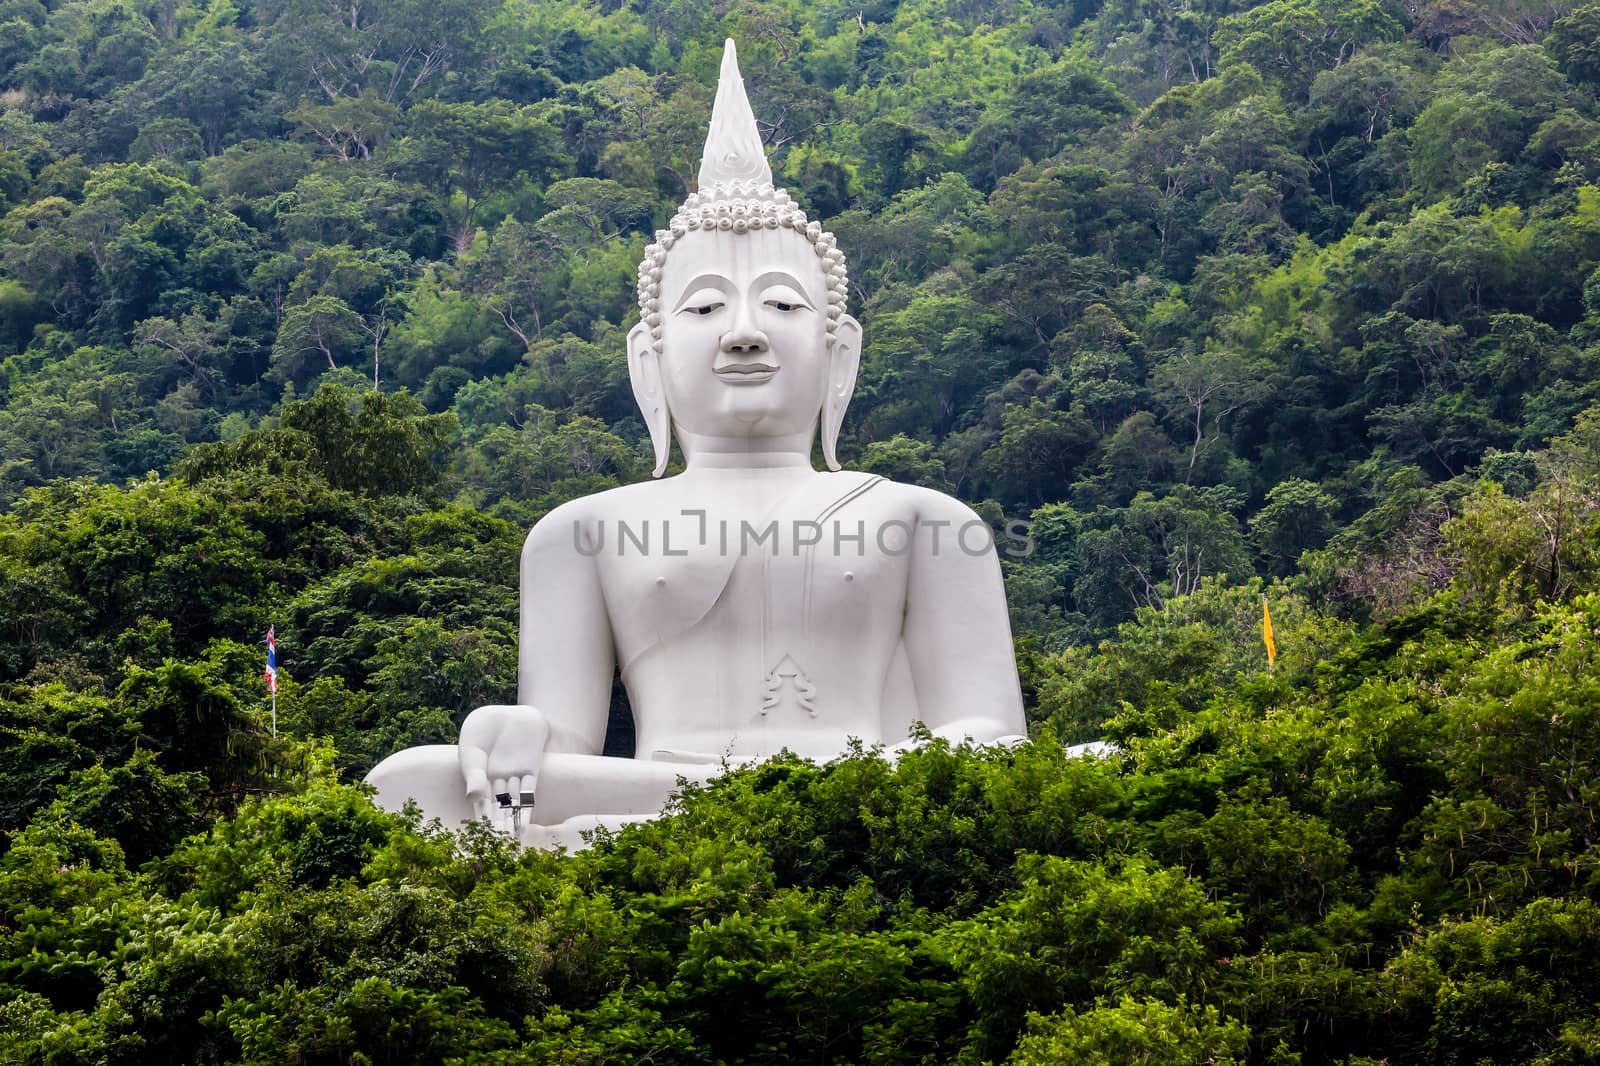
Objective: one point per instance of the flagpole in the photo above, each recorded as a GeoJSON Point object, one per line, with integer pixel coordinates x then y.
{"type": "Point", "coordinates": [271, 674]}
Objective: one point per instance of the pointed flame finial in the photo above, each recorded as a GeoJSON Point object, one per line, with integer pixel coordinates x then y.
{"type": "Point", "coordinates": [733, 145]}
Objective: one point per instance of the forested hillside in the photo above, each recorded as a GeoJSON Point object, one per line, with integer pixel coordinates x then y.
{"type": "Point", "coordinates": [1197, 287]}
{"type": "Point", "coordinates": [308, 310]}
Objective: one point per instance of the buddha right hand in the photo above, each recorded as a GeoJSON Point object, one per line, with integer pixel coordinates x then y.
{"type": "Point", "coordinates": [501, 751]}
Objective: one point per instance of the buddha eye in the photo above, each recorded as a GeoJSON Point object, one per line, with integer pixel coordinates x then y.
{"type": "Point", "coordinates": [701, 299]}
{"type": "Point", "coordinates": [782, 298]}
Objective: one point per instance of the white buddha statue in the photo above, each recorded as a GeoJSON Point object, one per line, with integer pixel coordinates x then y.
{"type": "Point", "coordinates": [752, 603]}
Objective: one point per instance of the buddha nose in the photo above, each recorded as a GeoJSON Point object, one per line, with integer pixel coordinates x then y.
{"type": "Point", "coordinates": [744, 338]}
{"type": "Point", "coordinates": [751, 343]}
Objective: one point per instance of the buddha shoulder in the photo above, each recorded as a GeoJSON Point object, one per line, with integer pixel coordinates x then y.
{"type": "Point", "coordinates": [917, 504]}
{"type": "Point", "coordinates": [569, 527]}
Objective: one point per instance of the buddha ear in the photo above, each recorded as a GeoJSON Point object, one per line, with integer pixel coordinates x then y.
{"type": "Point", "coordinates": [844, 361]}
{"type": "Point", "coordinates": [644, 372]}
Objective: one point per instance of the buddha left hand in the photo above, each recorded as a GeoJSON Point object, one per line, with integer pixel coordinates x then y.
{"type": "Point", "coordinates": [501, 750]}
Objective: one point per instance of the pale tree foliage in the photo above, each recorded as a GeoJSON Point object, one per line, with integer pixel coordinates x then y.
{"type": "Point", "coordinates": [349, 126]}
{"type": "Point", "coordinates": [516, 271]}
{"type": "Point", "coordinates": [658, 126]}
{"type": "Point", "coordinates": [1371, 92]}
{"type": "Point", "coordinates": [472, 150]}
{"type": "Point", "coordinates": [391, 48]}
{"type": "Point", "coordinates": [1158, 548]}
{"type": "Point", "coordinates": [324, 325]}
{"type": "Point", "coordinates": [1201, 387]}
{"type": "Point", "coordinates": [1519, 21]}
{"type": "Point", "coordinates": [1516, 550]}
{"type": "Point", "coordinates": [510, 275]}
{"type": "Point", "coordinates": [1293, 39]}
{"type": "Point", "coordinates": [191, 340]}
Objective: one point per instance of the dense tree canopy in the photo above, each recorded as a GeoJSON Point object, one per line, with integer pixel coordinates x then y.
{"type": "Point", "coordinates": [308, 310]}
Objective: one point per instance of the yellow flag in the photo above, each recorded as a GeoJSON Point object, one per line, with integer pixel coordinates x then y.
{"type": "Point", "coordinates": [1266, 632]}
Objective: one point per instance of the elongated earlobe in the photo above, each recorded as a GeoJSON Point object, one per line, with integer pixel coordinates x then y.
{"type": "Point", "coordinates": [844, 362]}
{"type": "Point", "coordinates": [644, 373]}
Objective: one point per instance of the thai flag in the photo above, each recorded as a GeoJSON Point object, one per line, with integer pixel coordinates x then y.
{"type": "Point", "coordinates": [271, 673]}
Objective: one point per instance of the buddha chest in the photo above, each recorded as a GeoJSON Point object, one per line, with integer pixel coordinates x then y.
{"type": "Point", "coordinates": [756, 615]}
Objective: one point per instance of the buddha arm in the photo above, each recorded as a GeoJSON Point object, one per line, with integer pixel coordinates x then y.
{"type": "Point", "coordinates": [957, 631]}
{"type": "Point", "coordinates": [565, 661]}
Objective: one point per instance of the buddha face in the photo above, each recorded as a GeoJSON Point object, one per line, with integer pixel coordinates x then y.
{"type": "Point", "coordinates": [744, 348]}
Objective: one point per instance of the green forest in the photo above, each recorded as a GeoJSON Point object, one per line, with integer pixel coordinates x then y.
{"type": "Point", "coordinates": [309, 308]}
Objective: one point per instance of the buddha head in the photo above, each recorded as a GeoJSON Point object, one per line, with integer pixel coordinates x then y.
{"type": "Point", "coordinates": [743, 334]}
